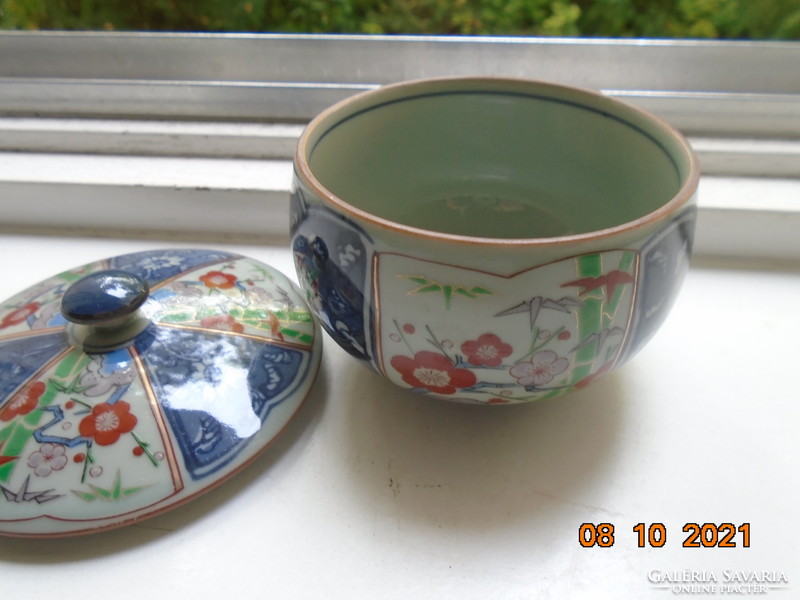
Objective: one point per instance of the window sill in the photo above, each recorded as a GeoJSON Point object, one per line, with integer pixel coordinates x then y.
{"type": "Point", "coordinates": [224, 199]}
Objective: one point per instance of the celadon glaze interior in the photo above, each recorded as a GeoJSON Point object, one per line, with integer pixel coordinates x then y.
{"type": "Point", "coordinates": [484, 160]}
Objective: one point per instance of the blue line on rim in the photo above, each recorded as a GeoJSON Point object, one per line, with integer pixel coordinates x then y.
{"type": "Point", "coordinates": [478, 92]}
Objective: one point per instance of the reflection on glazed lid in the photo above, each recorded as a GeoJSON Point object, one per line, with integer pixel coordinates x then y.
{"type": "Point", "coordinates": [143, 380]}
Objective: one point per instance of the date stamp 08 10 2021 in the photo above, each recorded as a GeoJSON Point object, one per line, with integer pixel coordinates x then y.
{"type": "Point", "coordinates": [705, 535]}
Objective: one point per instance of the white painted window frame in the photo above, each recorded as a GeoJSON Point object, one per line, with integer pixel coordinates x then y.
{"type": "Point", "coordinates": [191, 135]}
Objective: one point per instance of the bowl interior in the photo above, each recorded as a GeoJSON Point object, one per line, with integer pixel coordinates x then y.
{"type": "Point", "coordinates": [524, 162]}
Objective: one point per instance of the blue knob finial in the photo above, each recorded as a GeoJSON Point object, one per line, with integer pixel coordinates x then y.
{"type": "Point", "coordinates": [104, 297]}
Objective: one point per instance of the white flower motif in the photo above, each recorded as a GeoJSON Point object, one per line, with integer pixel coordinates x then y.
{"type": "Point", "coordinates": [542, 368]}
{"type": "Point", "coordinates": [48, 458]}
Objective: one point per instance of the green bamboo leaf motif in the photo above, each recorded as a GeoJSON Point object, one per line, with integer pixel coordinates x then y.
{"type": "Point", "coordinates": [88, 460]}
{"type": "Point", "coordinates": [433, 287]}
{"type": "Point", "coordinates": [448, 290]}
{"type": "Point", "coordinates": [448, 293]}
{"type": "Point", "coordinates": [103, 494]}
{"type": "Point", "coordinates": [81, 402]}
{"type": "Point", "coordinates": [145, 446]}
{"type": "Point", "coordinates": [57, 385]}
{"type": "Point", "coordinates": [86, 496]}
{"type": "Point", "coordinates": [115, 493]}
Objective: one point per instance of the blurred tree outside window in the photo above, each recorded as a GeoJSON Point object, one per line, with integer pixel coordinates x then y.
{"type": "Point", "coordinates": [704, 19]}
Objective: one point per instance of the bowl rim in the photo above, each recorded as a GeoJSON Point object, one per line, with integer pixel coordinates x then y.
{"type": "Point", "coordinates": [368, 99]}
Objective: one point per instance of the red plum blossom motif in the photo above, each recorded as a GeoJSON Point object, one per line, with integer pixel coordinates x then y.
{"type": "Point", "coordinates": [223, 322]}
{"type": "Point", "coordinates": [488, 350]}
{"type": "Point", "coordinates": [433, 372]}
{"type": "Point", "coordinates": [48, 458]}
{"type": "Point", "coordinates": [219, 280]}
{"type": "Point", "coordinates": [19, 315]}
{"type": "Point", "coordinates": [107, 422]}
{"type": "Point", "coordinates": [541, 369]}
{"type": "Point", "coordinates": [24, 402]}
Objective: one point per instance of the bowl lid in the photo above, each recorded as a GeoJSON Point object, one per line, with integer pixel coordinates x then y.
{"type": "Point", "coordinates": [132, 384]}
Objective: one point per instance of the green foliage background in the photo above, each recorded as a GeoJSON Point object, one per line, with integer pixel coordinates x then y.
{"type": "Point", "coordinates": [728, 19]}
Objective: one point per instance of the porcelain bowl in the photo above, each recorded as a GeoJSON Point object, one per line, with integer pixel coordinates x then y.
{"type": "Point", "coordinates": [491, 240]}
